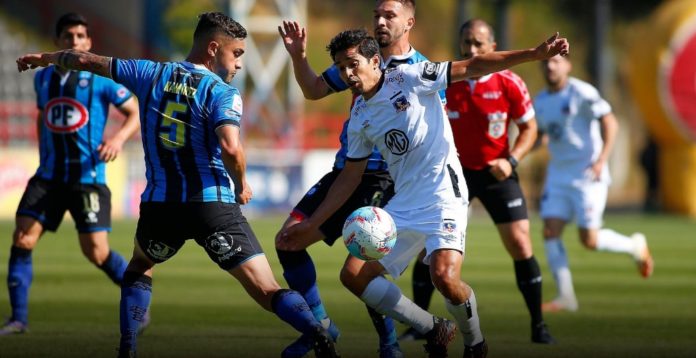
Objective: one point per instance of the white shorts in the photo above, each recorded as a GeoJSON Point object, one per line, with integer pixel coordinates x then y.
{"type": "Point", "coordinates": [442, 226]}
{"type": "Point", "coordinates": [585, 203]}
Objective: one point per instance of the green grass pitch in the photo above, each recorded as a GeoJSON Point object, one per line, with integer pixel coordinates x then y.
{"type": "Point", "coordinates": [200, 311]}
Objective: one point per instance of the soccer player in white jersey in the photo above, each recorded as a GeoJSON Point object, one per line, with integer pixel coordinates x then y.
{"type": "Point", "coordinates": [580, 129]}
{"type": "Point", "coordinates": [400, 112]}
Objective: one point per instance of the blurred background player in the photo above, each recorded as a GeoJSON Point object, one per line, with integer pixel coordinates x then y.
{"type": "Point", "coordinates": [73, 108]}
{"type": "Point", "coordinates": [480, 111]}
{"type": "Point", "coordinates": [580, 130]}
{"type": "Point", "coordinates": [190, 129]}
{"type": "Point", "coordinates": [401, 113]}
{"type": "Point", "coordinates": [392, 24]}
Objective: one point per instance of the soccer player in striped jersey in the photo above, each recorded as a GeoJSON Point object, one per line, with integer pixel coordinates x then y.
{"type": "Point", "coordinates": [73, 108]}
{"type": "Point", "coordinates": [393, 21]}
{"type": "Point", "coordinates": [195, 169]}
{"type": "Point", "coordinates": [401, 113]}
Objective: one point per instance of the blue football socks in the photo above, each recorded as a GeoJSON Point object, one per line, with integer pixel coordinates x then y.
{"type": "Point", "coordinates": [292, 308]}
{"type": "Point", "coordinates": [136, 291]}
{"type": "Point", "coordinates": [301, 275]}
{"type": "Point", "coordinates": [384, 326]}
{"type": "Point", "coordinates": [19, 276]}
{"type": "Point", "coordinates": [114, 266]}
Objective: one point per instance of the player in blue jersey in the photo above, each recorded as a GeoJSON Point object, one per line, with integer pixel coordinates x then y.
{"type": "Point", "coordinates": [73, 108]}
{"type": "Point", "coordinates": [392, 24]}
{"type": "Point", "coordinates": [195, 168]}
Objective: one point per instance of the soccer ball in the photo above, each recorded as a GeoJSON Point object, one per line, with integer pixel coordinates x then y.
{"type": "Point", "coordinates": [369, 233]}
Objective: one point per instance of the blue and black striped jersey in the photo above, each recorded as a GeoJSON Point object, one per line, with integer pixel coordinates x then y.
{"type": "Point", "coordinates": [181, 106]}
{"type": "Point", "coordinates": [74, 106]}
{"type": "Point", "coordinates": [333, 79]}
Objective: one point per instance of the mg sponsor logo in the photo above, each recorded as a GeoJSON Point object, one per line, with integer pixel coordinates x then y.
{"type": "Point", "coordinates": [396, 141]}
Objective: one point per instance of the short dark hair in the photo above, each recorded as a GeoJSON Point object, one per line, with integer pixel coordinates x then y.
{"type": "Point", "coordinates": [210, 23]}
{"type": "Point", "coordinates": [69, 20]}
{"type": "Point", "coordinates": [407, 3]}
{"type": "Point", "coordinates": [478, 22]}
{"type": "Point", "coordinates": [367, 45]}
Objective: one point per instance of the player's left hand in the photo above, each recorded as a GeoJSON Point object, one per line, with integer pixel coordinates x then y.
{"type": "Point", "coordinates": [595, 170]}
{"type": "Point", "coordinates": [553, 46]}
{"type": "Point", "coordinates": [110, 149]}
{"type": "Point", "coordinates": [31, 61]}
{"type": "Point", "coordinates": [243, 194]}
{"type": "Point", "coordinates": [500, 169]}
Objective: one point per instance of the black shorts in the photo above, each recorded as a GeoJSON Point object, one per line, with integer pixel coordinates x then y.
{"type": "Point", "coordinates": [220, 228]}
{"type": "Point", "coordinates": [375, 189]}
{"type": "Point", "coordinates": [503, 200]}
{"type": "Point", "coordinates": [47, 201]}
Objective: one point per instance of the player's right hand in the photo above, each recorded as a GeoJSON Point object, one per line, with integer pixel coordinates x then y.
{"type": "Point", "coordinates": [294, 38]}
{"type": "Point", "coordinates": [553, 46]}
{"type": "Point", "coordinates": [31, 61]}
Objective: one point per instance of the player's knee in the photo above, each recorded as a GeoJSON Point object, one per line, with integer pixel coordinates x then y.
{"type": "Point", "coordinates": [550, 233]}
{"type": "Point", "coordinates": [23, 239]}
{"type": "Point", "coordinates": [445, 280]}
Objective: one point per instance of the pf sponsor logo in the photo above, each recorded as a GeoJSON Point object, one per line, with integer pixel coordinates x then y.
{"type": "Point", "coordinates": [65, 115]}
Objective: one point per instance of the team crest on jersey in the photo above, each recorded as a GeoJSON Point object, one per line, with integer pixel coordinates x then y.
{"type": "Point", "coordinates": [83, 83]}
{"type": "Point", "coordinates": [121, 92]}
{"type": "Point", "coordinates": [430, 71]}
{"type": "Point", "coordinates": [396, 141]}
{"type": "Point", "coordinates": [65, 115]}
{"type": "Point", "coordinates": [496, 124]}
{"type": "Point", "coordinates": [401, 104]}
{"type": "Point", "coordinates": [449, 226]}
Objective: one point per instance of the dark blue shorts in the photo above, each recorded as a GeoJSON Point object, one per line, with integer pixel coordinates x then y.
{"type": "Point", "coordinates": [47, 201]}
{"type": "Point", "coordinates": [220, 228]}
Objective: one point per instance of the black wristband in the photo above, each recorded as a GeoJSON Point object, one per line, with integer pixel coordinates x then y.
{"type": "Point", "coordinates": [513, 161]}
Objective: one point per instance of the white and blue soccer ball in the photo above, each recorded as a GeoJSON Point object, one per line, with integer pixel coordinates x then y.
{"type": "Point", "coordinates": [369, 233]}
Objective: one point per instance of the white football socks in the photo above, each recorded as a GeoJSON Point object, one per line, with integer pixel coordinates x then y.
{"type": "Point", "coordinates": [466, 315]}
{"type": "Point", "coordinates": [386, 298]}
{"type": "Point", "coordinates": [611, 241]}
{"type": "Point", "coordinates": [558, 263]}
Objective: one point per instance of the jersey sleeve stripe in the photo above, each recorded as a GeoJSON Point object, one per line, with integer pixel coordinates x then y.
{"type": "Point", "coordinates": [336, 87]}
{"type": "Point", "coordinates": [349, 159]}
{"type": "Point", "coordinates": [449, 73]}
{"type": "Point", "coordinates": [227, 122]}
{"type": "Point", "coordinates": [526, 117]}
{"type": "Point", "coordinates": [112, 68]}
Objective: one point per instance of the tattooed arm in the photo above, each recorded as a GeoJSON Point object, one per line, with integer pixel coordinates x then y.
{"type": "Point", "coordinates": [70, 59]}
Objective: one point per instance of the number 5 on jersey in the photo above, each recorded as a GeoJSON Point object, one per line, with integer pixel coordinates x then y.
{"type": "Point", "coordinates": [172, 131]}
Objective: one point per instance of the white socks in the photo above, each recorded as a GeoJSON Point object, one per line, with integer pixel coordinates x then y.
{"type": "Point", "coordinates": [386, 298]}
{"type": "Point", "coordinates": [612, 241]}
{"type": "Point", "coordinates": [558, 263]}
{"type": "Point", "coordinates": [466, 315]}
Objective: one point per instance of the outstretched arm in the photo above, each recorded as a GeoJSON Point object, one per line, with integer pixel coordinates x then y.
{"type": "Point", "coordinates": [481, 65]}
{"type": "Point", "coordinates": [70, 59]}
{"type": "Point", "coordinates": [295, 40]}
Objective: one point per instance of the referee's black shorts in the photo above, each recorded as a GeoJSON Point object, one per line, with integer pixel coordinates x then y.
{"type": "Point", "coordinates": [503, 200]}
